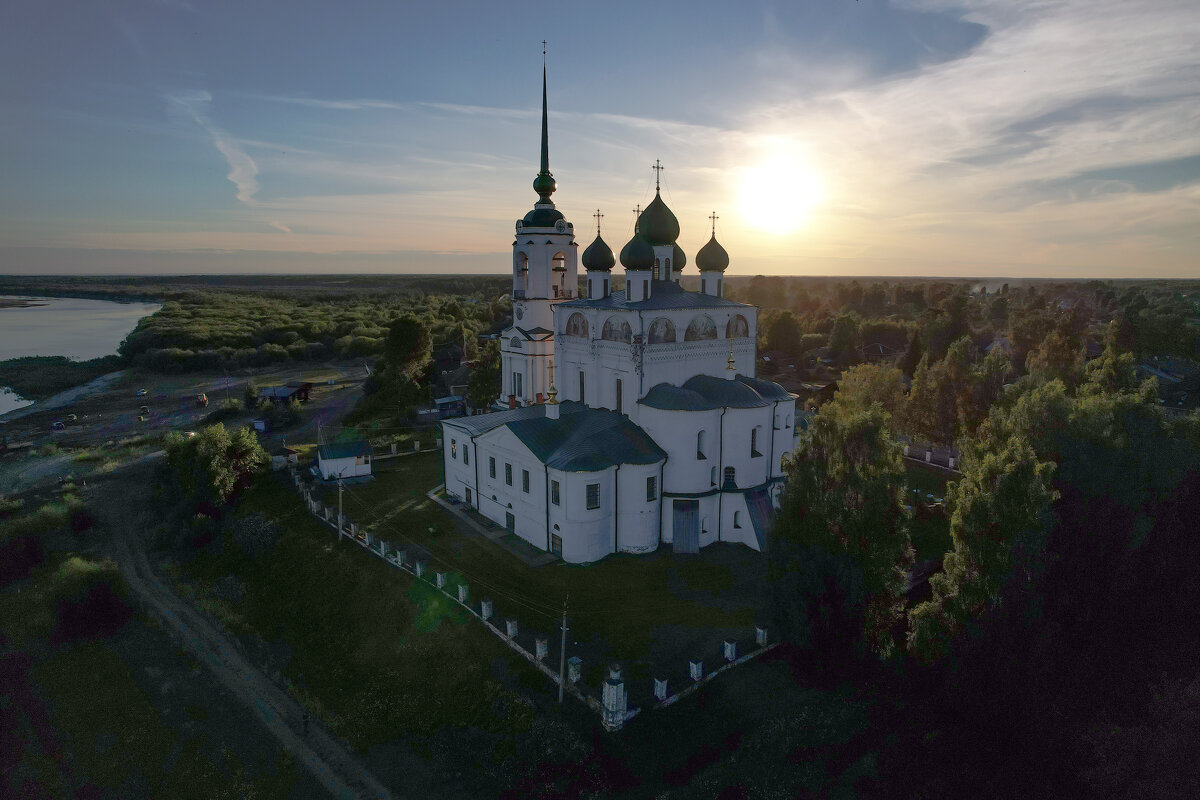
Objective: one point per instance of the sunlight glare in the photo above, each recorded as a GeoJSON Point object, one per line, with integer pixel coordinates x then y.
{"type": "Point", "coordinates": [779, 194]}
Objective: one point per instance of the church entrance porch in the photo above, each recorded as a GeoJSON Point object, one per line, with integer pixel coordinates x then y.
{"type": "Point", "coordinates": [686, 526]}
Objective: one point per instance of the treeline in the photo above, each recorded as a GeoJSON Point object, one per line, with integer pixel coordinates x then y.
{"type": "Point", "coordinates": [925, 317]}
{"type": "Point", "coordinates": [224, 329]}
{"type": "Point", "coordinates": [1057, 654]}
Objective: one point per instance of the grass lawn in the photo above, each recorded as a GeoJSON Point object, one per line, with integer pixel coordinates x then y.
{"type": "Point", "coordinates": [931, 526]}
{"type": "Point", "coordinates": [648, 612]}
{"type": "Point", "coordinates": [124, 715]}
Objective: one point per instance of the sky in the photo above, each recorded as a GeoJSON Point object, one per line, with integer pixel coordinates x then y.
{"type": "Point", "coordinates": [1023, 138]}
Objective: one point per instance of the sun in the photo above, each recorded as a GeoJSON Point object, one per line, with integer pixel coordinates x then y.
{"type": "Point", "coordinates": [779, 194]}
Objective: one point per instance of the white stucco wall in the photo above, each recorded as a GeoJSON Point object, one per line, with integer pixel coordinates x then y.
{"type": "Point", "coordinates": [331, 468]}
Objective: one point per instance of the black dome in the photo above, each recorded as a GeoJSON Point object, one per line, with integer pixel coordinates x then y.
{"type": "Point", "coordinates": [598, 256]}
{"type": "Point", "coordinates": [712, 257]}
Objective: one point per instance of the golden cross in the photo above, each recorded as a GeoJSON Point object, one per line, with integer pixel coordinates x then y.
{"type": "Point", "coordinates": [713, 216]}
{"type": "Point", "coordinates": [658, 168]}
{"type": "Point", "coordinates": [598, 217]}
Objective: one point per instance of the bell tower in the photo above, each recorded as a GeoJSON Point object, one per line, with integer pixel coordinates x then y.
{"type": "Point", "coordinates": [545, 272]}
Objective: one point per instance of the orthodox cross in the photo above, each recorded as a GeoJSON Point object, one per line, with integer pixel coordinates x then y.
{"type": "Point", "coordinates": [543, 49]}
{"type": "Point", "coordinates": [637, 213]}
{"type": "Point", "coordinates": [598, 217]}
{"type": "Point", "coordinates": [658, 168]}
{"type": "Point", "coordinates": [713, 216]}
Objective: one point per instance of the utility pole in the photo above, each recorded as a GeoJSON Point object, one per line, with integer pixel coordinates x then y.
{"type": "Point", "coordinates": [339, 506]}
{"type": "Point", "coordinates": [562, 655]}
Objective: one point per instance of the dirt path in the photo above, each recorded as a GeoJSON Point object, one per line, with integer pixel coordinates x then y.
{"type": "Point", "coordinates": [333, 766]}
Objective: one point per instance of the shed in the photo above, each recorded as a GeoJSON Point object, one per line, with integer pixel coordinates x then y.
{"type": "Point", "coordinates": [344, 459]}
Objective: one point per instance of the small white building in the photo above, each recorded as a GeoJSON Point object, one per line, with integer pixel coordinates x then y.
{"type": "Point", "coordinates": [344, 460]}
{"type": "Point", "coordinates": [664, 436]}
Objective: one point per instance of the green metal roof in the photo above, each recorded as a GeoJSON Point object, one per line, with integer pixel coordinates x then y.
{"type": "Point", "coordinates": [351, 449]}
{"type": "Point", "coordinates": [705, 393]}
{"type": "Point", "coordinates": [586, 439]}
{"type": "Point", "coordinates": [663, 295]}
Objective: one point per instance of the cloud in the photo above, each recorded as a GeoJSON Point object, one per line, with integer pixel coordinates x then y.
{"type": "Point", "coordinates": [242, 169]}
{"type": "Point", "coordinates": [279, 226]}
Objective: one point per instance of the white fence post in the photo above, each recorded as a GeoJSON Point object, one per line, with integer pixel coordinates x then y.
{"type": "Point", "coordinates": [574, 669]}
{"type": "Point", "coordinates": [485, 608]}
{"type": "Point", "coordinates": [730, 650]}
{"type": "Point", "coordinates": [439, 579]}
{"type": "Point", "coordinates": [462, 593]}
{"type": "Point", "coordinates": [510, 628]}
{"type": "Point", "coordinates": [696, 669]}
{"type": "Point", "coordinates": [541, 648]}
{"type": "Point", "coordinates": [760, 635]}
{"type": "Point", "coordinates": [660, 689]}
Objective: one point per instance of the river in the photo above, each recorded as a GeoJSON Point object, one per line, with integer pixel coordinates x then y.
{"type": "Point", "coordinates": [63, 326]}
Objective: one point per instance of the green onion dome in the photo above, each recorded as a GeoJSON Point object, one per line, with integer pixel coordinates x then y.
{"type": "Point", "coordinates": [657, 224]}
{"type": "Point", "coordinates": [638, 254]}
{"type": "Point", "coordinates": [598, 256]}
{"type": "Point", "coordinates": [542, 217]}
{"type": "Point", "coordinates": [544, 185]}
{"type": "Point", "coordinates": [678, 258]}
{"type": "Point", "coordinates": [712, 257]}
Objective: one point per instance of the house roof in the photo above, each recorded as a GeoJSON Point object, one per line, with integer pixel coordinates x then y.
{"type": "Point", "coordinates": [663, 295]}
{"type": "Point", "coordinates": [582, 439]}
{"type": "Point", "coordinates": [351, 449]}
{"type": "Point", "coordinates": [704, 393]}
{"type": "Point", "coordinates": [586, 439]}
{"type": "Point", "coordinates": [277, 391]}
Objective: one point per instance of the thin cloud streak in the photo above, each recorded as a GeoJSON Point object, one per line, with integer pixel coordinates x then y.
{"type": "Point", "coordinates": [242, 169]}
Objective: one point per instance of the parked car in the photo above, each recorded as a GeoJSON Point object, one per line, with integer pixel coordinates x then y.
{"type": "Point", "coordinates": [72, 418]}
{"type": "Point", "coordinates": [144, 409]}
{"type": "Point", "coordinates": [142, 393]}
{"type": "Point", "coordinates": [58, 425]}
{"type": "Point", "coordinates": [202, 400]}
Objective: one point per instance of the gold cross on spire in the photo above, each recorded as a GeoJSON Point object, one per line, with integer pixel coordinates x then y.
{"type": "Point", "coordinates": [713, 216]}
{"type": "Point", "coordinates": [637, 213]}
{"type": "Point", "coordinates": [658, 168]}
{"type": "Point", "coordinates": [598, 217]}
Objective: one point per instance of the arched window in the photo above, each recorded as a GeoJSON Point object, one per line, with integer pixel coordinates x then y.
{"type": "Point", "coordinates": [700, 445]}
{"type": "Point", "coordinates": [514, 342]}
{"type": "Point", "coordinates": [662, 330]}
{"type": "Point", "coordinates": [577, 325]}
{"type": "Point", "coordinates": [701, 327]}
{"type": "Point", "coordinates": [737, 519]}
{"type": "Point", "coordinates": [737, 328]}
{"type": "Point", "coordinates": [754, 441]}
{"type": "Point", "coordinates": [521, 272]}
{"type": "Point", "coordinates": [730, 478]}
{"type": "Point", "coordinates": [559, 274]}
{"type": "Point", "coordinates": [712, 476]}
{"type": "Point", "coordinates": [616, 330]}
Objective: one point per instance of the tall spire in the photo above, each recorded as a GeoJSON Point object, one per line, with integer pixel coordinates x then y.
{"type": "Point", "coordinates": [544, 184]}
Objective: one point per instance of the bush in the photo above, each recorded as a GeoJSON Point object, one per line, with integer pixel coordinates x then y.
{"type": "Point", "coordinates": [254, 534]}
{"type": "Point", "coordinates": [90, 600]}
{"type": "Point", "coordinates": [20, 552]}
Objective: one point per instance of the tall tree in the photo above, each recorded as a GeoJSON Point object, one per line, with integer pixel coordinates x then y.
{"type": "Point", "coordinates": [1000, 520]}
{"type": "Point", "coordinates": [865, 384]}
{"type": "Point", "coordinates": [408, 348]}
{"type": "Point", "coordinates": [841, 546]}
{"type": "Point", "coordinates": [483, 387]}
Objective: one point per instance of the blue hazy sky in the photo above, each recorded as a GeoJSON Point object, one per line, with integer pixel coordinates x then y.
{"type": "Point", "coordinates": [923, 137]}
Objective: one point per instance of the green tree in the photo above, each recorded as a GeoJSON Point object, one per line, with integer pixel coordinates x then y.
{"type": "Point", "coordinates": [1055, 359]}
{"type": "Point", "coordinates": [483, 387]}
{"type": "Point", "coordinates": [845, 339]}
{"type": "Point", "coordinates": [785, 334]}
{"type": "Point", "coordinates": [865, 384]}
{"type": "Point", "coordinates": [837, 559]}
{"type": "Point", "coordinates": [1000, 519]}
{"type": "Point", "coordinates": [408, 348]}
{"type": "Point", "coordinates": [214, 465]}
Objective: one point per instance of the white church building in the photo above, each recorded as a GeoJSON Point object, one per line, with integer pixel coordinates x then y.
{"type": "Point", "coordinates": [634, 420]}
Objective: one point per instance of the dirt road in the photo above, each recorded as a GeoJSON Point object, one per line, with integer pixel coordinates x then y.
{"type": "Point", "coordinates": [327, 759]}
